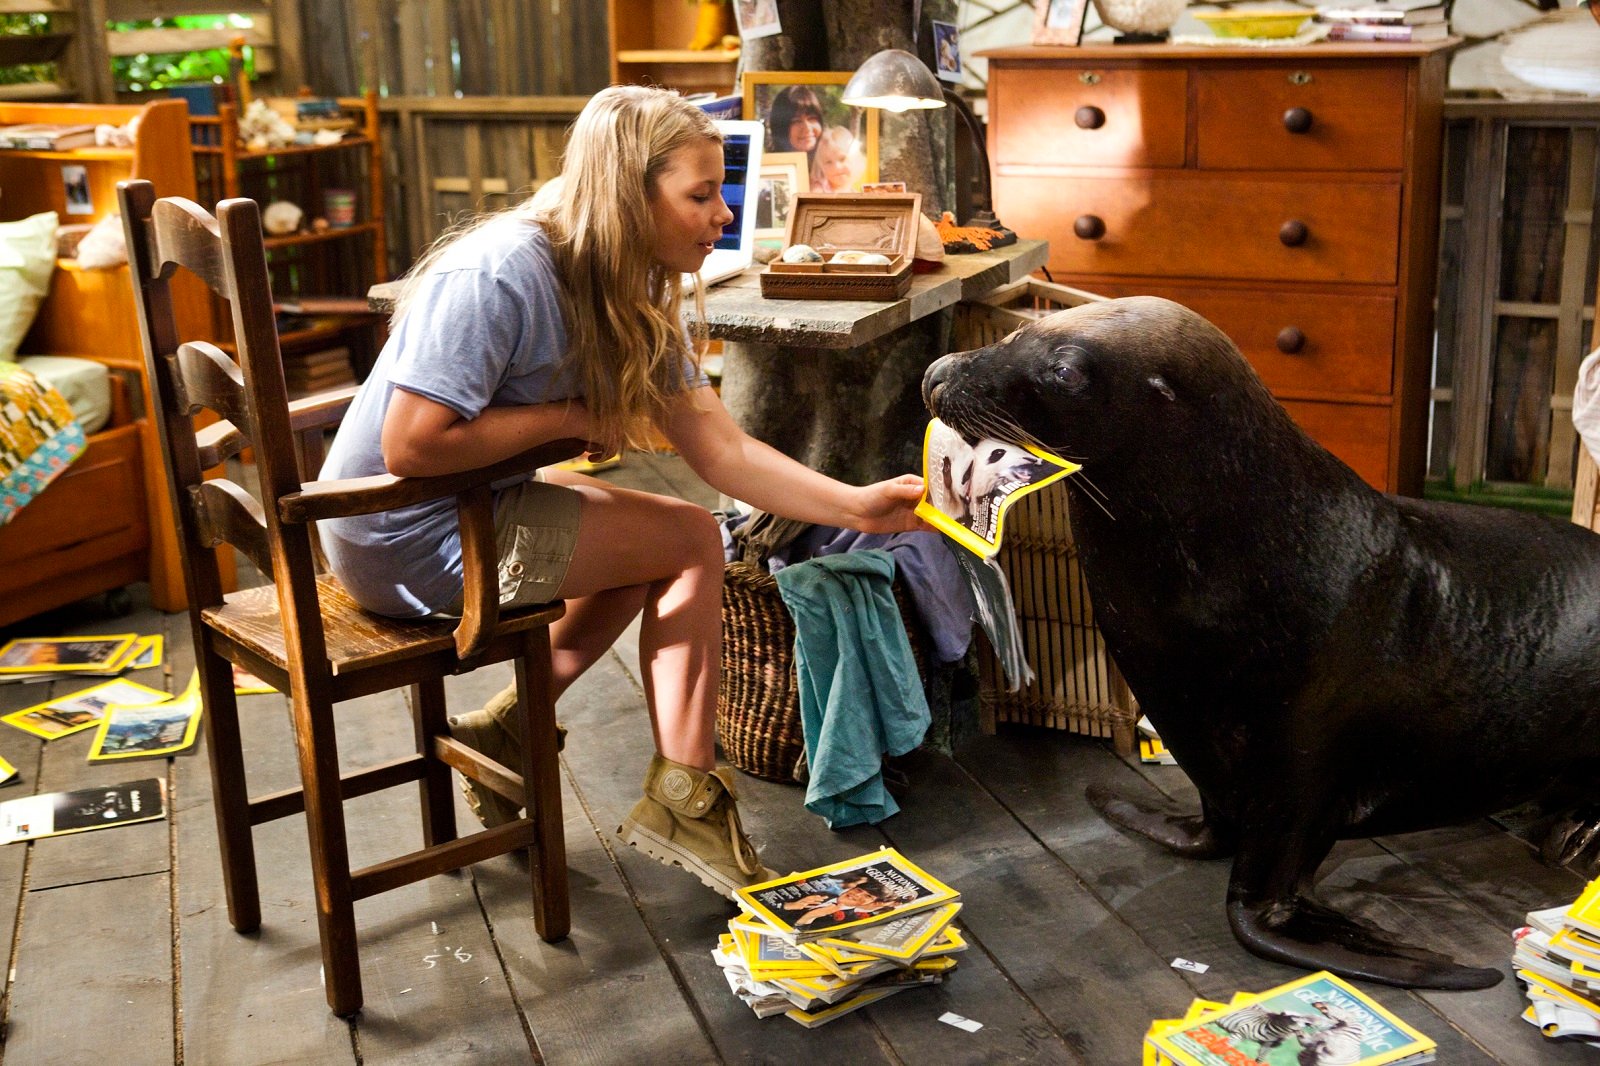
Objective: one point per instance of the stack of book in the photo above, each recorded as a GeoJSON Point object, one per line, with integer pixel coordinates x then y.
{"type": "Point", "coordinates": [1388, 20]}
{"type": "Point", "coordinates": [308, 372]}
{"type": "Point", "coordinates": [1557, 959]}
{"type": "Point", "coordinates": [1318, 1018]}
{"type": "Point", "coordinates": [46, 136]}
{"type": "Point", "coordinates": [817, 945]}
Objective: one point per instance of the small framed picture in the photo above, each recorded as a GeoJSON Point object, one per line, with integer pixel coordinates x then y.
{"type": "Point", "coordinates": [784, 175]}
{"type": "Point", "coordinates": [946, 50]}
{"type": "Point", "coordinates": [75, 180]}
{"type": "Point", "coordinates": [804, 111]}
{"type": "Point", "coordinates": [1058, 21]}
{"type": "Point", "coordinates": [757, 18]}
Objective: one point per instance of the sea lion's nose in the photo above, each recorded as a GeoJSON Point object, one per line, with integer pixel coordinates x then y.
{"type": "Point", "coordinates": [933, 383]}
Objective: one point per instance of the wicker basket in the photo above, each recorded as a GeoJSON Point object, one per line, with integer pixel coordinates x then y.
{"type": "Point", "coordinates": [758, 705]}
{"type": "Point", "coordinates": [1077, 686]}
{"type": "Point", "coordinates": [989, 318]}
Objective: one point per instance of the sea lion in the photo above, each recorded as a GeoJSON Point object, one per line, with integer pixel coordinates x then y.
{"type": "Point", "coordinates": [1323, 660]}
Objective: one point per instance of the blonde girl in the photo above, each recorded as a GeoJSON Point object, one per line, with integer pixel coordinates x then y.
{"type": "Point", "coordinates": [837, 165]}
{"type": "Point", "coordinates": [561, 318]}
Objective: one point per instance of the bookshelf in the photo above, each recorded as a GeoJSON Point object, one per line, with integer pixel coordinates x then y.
{"type": "Point", "coordinates": [649, 41]}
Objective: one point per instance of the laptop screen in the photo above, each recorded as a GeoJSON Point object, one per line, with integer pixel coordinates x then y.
{"type": "Point", "coordinates": [741, 156]}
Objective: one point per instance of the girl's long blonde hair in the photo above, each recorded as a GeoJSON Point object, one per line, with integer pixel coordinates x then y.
{"type": "Point", "coordinates": [625, 341]}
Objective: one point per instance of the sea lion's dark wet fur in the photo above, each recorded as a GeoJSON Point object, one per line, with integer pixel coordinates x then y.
{"type": "Point", "coordinates": [1324, 661]}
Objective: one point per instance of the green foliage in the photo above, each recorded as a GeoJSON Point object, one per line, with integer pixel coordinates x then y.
{"type": "Point", "coordinates": [26, 73]}
{"type": "Point", "coordinates": [158, 70]}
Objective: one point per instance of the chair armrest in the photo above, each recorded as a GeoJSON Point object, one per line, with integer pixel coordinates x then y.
{"type": "Point", "coordinates": [344, 497]}
{"type": "Point", "coordinates": [222, 439]}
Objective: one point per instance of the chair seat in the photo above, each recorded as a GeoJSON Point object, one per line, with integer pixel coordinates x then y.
{"type": "Point", "coordinates": [356, 638]}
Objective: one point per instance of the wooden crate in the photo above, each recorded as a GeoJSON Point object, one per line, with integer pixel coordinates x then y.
{"type": "Point", "coordinates": [1077, 686]}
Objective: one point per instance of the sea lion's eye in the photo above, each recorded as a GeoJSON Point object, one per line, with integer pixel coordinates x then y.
{"type": "Point", "coordinates": [1066, 363]}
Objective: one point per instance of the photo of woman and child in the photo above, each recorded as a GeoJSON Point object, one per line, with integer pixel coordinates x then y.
{"type": "Point", "coordinates": [814, 120]}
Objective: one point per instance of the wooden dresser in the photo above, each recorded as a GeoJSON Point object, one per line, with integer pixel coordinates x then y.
{"type": "Point", "coordinates": [1290, 196]}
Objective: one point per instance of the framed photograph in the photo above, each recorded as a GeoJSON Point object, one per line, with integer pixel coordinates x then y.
{"type": "Point", "coordinates": [757, 18]}
{"type": "Point", "coordinates": [804, 112]}
{"type": "Point", "coordinates": [946, 50]}
{"type": "Point", "coordinates": [1058, 21]}
{"type": "Point", "coordinates": [75, 181]}
{"type": "Point", "coordinates": [784, 175]}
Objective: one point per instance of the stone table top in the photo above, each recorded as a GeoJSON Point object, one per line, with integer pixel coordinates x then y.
{"type": "Point", "coordinates": [736, 310]}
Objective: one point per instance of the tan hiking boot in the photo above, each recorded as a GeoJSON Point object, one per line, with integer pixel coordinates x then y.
{"type": "Point", "coordinates": [690, 818]}
{"type": "Point", "coordinates": [495, 731]}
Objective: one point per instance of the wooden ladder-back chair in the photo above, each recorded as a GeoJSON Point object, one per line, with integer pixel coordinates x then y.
{"type": "Point", "coordinates": [302, 633]}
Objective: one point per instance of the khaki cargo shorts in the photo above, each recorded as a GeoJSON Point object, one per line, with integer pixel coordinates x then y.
{"type": "Point", "coordinates": [535, 532]}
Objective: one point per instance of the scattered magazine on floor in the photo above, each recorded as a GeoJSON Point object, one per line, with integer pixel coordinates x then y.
{"type": "Point", "coordinates": [848, 895]}
{"type": "Point", "coordinates": [1318, 1018]}
{"type": "Point", "coordinates": [1151, 750]}
{"type": "Point", "coordinates": [1557, 961]}
{"type": "Point", "coordinates": [969, 487]}
{"type": "Point", "coordinates": [81, 710]}
{"type": "Point", "coordinates": [59, 655]}
{"type": "Point", "coordinates": [152, 730]}
{"type": "Point", "coordinates": [811, 982]}
{"type": "Point", "coordinates": [8, 773]}
{"type": "Point", "coordinates": [247, 684]}
{"type": "Point", "coordinates": [59, 813]}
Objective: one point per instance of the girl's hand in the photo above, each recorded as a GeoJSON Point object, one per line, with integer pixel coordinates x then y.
{"type": "Point", "coordinates": [887, 506]}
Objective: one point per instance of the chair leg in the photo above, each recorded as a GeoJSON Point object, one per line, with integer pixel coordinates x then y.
{"type": "Point", "coordinates": [330, 854]}
{"type": "Point", "coordinates": [438, 802]}
{"type": "Point", "coordinates": [230, 796]}
{"type": "Point", "coordinates": [541, 775]}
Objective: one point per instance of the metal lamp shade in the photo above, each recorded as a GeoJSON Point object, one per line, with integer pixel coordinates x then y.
{"type": "Point", "coordinates": [894, 80]}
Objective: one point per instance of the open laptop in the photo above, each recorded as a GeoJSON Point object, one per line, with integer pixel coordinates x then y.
{"type": "Point", "coordinates": [741, 154]}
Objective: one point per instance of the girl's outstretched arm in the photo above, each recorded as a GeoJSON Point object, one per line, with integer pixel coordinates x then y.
{"type": "Point", "coordinates": [735, 463]}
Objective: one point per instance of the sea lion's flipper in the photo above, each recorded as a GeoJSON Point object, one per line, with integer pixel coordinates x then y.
{"type": "Point", "coordinates": [1303, 933]}
{"type": "Point", "coordinates": [1194, 836]}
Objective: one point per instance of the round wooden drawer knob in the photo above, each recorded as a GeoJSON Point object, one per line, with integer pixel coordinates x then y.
{"type": "Point", "coordinates": [1290, 340]}
{"type": "Point", "coordinates": [1293, 233]}
{"type": "Point", "coordinates": [1089, 227]}
{"type": "Point", "coordinates": [1089, 118]}
{"type": "Point", "coordinates": [1297, 120]}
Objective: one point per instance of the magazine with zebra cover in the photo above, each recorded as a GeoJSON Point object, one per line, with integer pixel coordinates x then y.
{"type": "Point", "coordinates": [967, 488]}
{"type": "Point", "coordinates": [854, 894]}
{"type": "Point", "coordinates": [1318, 1018]}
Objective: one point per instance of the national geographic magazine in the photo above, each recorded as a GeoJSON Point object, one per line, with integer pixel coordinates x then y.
{"type": "Point", "coordinates": [969, 487]}
{"type": "Point", "coordinates": [1318, 1018]}
{"type": "Point", "coordinates": [868, 890]}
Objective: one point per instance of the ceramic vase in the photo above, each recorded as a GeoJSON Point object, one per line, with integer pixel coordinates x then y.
{"type": "Point", "coordinates": [1152, 17]}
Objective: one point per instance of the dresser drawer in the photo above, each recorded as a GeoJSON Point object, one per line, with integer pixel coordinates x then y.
{"type": "Point", "coordinates": [1356, 433]}
{"type": "Point", "coordinates": [1353, 118]}
{"type": "Point", "coordinates": [1076, 116]}
{"type": "Point", "coordinates": [1152, 225]}
{"type": "Point", "coordinates": [1339, 344]}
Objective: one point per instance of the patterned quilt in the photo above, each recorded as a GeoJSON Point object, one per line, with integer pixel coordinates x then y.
{"type": "Point", "coordinates": [39, 438]}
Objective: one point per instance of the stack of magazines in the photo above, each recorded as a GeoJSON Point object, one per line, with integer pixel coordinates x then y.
{"type": "Point", "coordinates": [1557, 959]}
{"type": "Point", "coordinates": [817, 945]}
{"type": "Point", "coordinates": [1318, 1019]}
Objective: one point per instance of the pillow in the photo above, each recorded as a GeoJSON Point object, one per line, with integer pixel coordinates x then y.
{"type": "Point", "coordinates": [104, 246]}
{"type": "Point", "coordinates": [27, 258]}
{"type": "Point", "coordinates": [84, 383]}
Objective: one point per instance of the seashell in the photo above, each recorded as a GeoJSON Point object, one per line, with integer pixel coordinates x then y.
{"type": "Point", "coordinates": [281, 217]}
{"type": "Point", "coordinates": [860, 258]}
{"type": "Point", "coordinates": [801, 253]}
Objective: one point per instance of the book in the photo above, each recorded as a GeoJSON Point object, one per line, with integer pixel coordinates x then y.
{"type": "Point", "coordinates": [81, 710]}
{"type": "Point", "coordinates": [46, 136]}
{"type": "Point", "coordinates": [54, 655]}
{"type": "Point", "coordinates": [1318, 1018]}
{"type": "Point", "coordinates": [844, 896]}
{"type": "Point", "coordinates": [1383, 15]}
{"type": "Point", "coordinates": [1431, 31]}
{"type": "Point", "coordinates": [151, 730]}
{"type": "Point", "coordinates": [58, 813]}
{"type": "Point", "coordinates": [969, 487]}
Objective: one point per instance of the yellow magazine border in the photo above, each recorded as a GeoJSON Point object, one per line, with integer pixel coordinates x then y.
{"type": "Point", "coordinates": [912, 950]}
{"type": "Point", "coordinates": [941, 893]}
{"type": "Point", "coordinates": [14, 718]}
{"type": "Point", "coordinates": [960, 533]}
{"type": "Point", "coordinates": [105, 666]}
{"type": "Point", "coordinates": [190, 694]}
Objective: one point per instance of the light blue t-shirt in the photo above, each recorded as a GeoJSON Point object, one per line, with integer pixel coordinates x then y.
{"type": "Point", "coordinates": [485, 330]}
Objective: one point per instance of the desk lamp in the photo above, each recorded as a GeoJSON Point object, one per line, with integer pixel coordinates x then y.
{"type": "Point", "coordinates": [896, 80]}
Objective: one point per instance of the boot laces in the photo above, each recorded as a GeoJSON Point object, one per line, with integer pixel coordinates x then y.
{"type": "Point", "coordinates": [744, 853]}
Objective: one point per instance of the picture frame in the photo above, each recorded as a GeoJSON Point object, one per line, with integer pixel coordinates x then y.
{"type": "Point", "coordinates": [946, 50]}
{"type": "Point", "coordinates": [1059, 21]}
{"type": "Point", "coordinates": [784, 176]}
{"type": "Point", "coordinates": [840, 142]}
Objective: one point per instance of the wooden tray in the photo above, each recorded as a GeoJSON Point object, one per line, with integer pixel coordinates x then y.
{"type": "Point", "coordinates": [830, 223]}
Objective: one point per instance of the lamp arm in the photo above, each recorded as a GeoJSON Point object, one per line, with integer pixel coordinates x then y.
{"type": "Point", "coordinates": [975, 129]}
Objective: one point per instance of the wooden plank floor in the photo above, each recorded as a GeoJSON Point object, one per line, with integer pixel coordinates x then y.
{"type": "Point", "coordinates": [121, 949]}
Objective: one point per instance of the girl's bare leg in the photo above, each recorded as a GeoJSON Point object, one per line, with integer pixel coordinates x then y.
{"type": "Point", "coordinates": [639, 550]}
